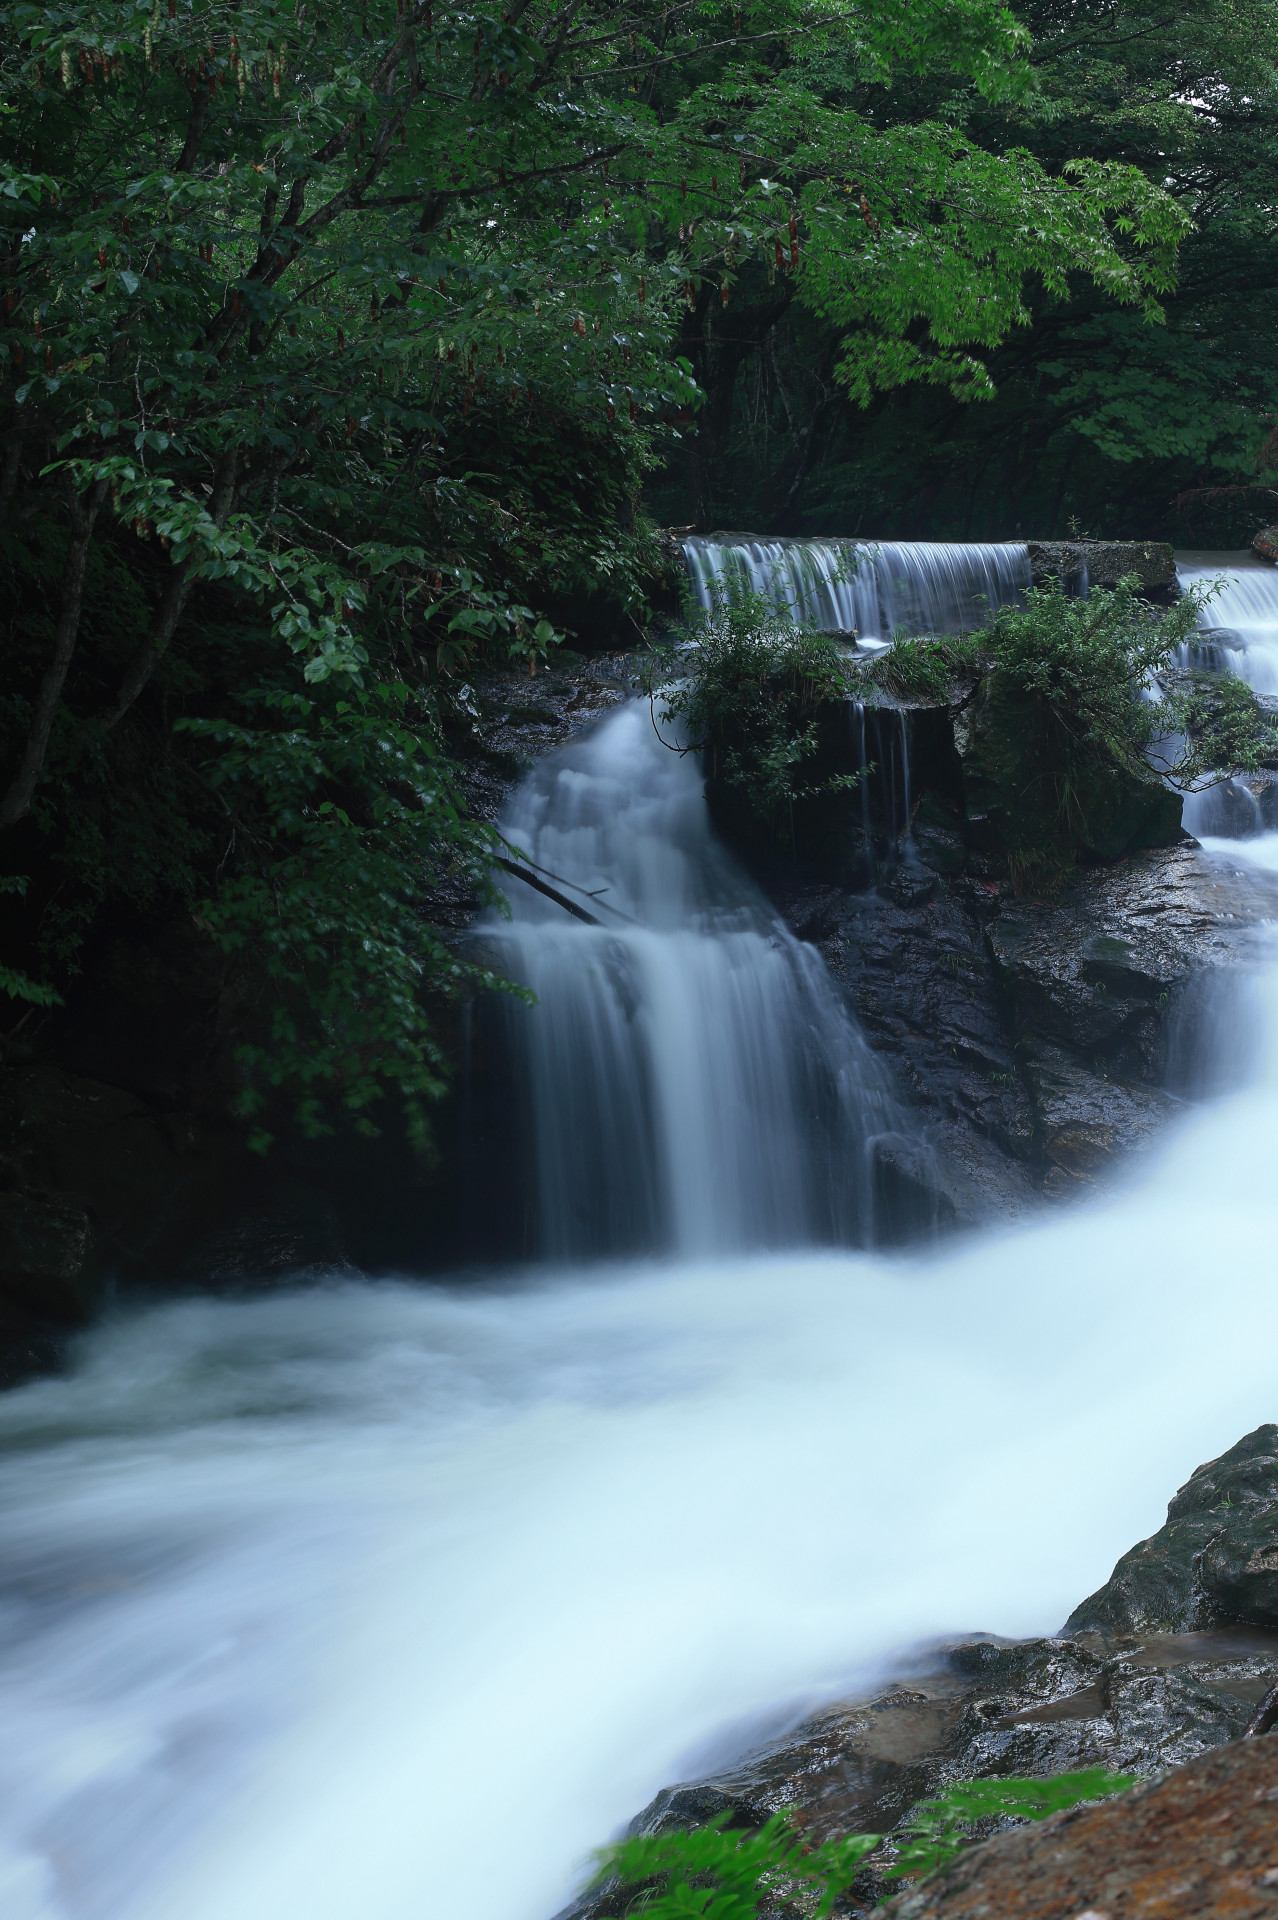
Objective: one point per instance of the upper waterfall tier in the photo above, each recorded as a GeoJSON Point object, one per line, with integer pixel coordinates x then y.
{"type": "Point", "coordinates": [870, 588]}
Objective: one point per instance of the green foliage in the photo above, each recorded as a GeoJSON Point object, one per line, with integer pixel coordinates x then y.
{"type": "Point", "coordinates": [342, 342]}
{"type": "Point", "coordinates": [1096, 412]}
{"type": "Point", "coordinates": [940, 1828]}
{"type": "Point", "coordinates": [755, 682]}
{"type": "Point", "coordinates": [1079, 665]}
{"type": "Point", "coordinates": [17, 985]}
{"type": "Point", "coordinates": [924, 670]}
{"type": "Point", "coordinates": [327, 902]}
{"type": "Point", "coordinates": [717, 1873]}
{"type": "Point", "coordinates": [1226, 731]}
{"type": "Point", "coordinates": [1062, 747]}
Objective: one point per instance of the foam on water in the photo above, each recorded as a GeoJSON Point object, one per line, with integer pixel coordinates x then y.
{"type": "Point", "coordinates": [395, 1600]}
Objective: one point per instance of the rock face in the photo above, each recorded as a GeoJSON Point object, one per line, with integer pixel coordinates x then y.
{"type": "Point", "coordinates": [1039, 1039]}
{"type": "Point", "coordinates": [1106, 562]}
{"type": "Point", "coordinates": [1216, 1560]}
{"type": "Point", "coordinates": [1137, 1683]}
{"type": "Point", "coordinates": [1203, 1842]}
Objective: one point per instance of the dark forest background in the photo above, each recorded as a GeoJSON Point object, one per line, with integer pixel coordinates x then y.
{"type": "Point", "coordinates": [1102, 425]}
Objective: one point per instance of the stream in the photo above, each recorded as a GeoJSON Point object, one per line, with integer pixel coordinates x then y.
{"type": "Point", "coordinates": [393, 1600]}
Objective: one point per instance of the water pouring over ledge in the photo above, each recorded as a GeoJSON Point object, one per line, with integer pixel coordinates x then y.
{"type": "Point", "coordinates": [394, 1600]}
{"type": "Point", "coordinates": [871, 588]}
{"type": "Point", "coordinates": [690, 1078]}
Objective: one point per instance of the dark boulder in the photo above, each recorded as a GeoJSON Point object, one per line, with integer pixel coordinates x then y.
{"type": "Point", "coordinates": [1215, 1560]}
{"type": "Point", "coordinates": [1167, 1663]}
{"type": "Point", "coordinates": [46, 1256]}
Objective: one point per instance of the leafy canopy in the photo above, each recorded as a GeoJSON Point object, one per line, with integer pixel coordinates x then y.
{"type": "Point", "coordinates": [336, 345]}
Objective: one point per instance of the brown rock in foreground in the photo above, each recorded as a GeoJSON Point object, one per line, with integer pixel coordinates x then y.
{"type": "Point", "coordinates": [1202, 1841]}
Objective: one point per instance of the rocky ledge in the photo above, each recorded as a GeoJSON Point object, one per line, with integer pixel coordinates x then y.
{"type": "Point", "coordinates": [1169, 1660]}
{"type": "Point", "coordinates": [1200, 1843]}
{"type": "Point", "coordinates": [1044, 1042]}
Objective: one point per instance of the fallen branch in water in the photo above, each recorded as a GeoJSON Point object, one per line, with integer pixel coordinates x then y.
{"type": "Point", "coordinates": [551, 893]}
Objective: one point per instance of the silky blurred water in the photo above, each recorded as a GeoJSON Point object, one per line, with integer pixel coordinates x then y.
{"type": "Point", "coordinates": [395, 1599]}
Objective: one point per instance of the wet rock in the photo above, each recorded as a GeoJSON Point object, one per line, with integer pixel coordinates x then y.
{"type": "Point", "coordinates": [1166, 1663]}
{"type": "Point", "coordinates": [1215, 1560]}
{"type": "Point", "coordinates": [987, 1709]}
{"type": "Point", "coordinates": [1201, 1842]}
{"type": "Point", "coordinates": [1105, 563]}
{"type": "Point", "coordinates": [47, 1256]}
{"type": "Point", "coordinates": [1090, 966]}
{"type": "Point", "coordinates": [1037, 1040]}
{"type": "Point", "coordinates": [1265, 543]}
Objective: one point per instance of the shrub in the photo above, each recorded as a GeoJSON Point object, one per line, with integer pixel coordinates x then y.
{"type": "Point", "coordinates": [715, 1873]}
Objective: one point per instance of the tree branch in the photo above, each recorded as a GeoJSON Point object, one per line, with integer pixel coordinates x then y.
{"type": "Point", "coordinates": [83, 513]}
{"type": "Point", "coordinates": [173, 600]}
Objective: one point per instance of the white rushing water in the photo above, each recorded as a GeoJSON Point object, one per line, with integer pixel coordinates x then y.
{"type": "Point", "coordinates": [693, 1081]}
{"type": "Point", "coordinates": [1241, 615]}
{"type": "Point", "coordinates": [1240, 627]}
{"type": "Point", "coordinates": [871, 588]}
{"type": "Point", "coordinates": [394, 1600]}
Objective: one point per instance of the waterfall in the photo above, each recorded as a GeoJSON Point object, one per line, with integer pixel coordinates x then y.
{"type": "Point", "coordinates": [1241, 618]}
{"type": "Point", "coordinates": [397, 1599]}
{"type": "Point", "coordinates": [690, 1077]}
{"type": "Point", "coordinates": [1240, 628]}
{"type": "Point", "coordinates": [871, 588]}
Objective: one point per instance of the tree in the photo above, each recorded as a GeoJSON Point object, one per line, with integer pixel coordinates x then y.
{"type": "Point", "coordinates": [1097, 416]}
{"type": "Point", "coordinates": [338, 345]}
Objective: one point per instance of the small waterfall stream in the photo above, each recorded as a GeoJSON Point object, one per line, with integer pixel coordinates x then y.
{"type": "Point", "coordinates": [1240, 628]}
{"type": "Point", "coordinates": [871, 588]}
{"type": "Point", "coordinates": [693, 1082]}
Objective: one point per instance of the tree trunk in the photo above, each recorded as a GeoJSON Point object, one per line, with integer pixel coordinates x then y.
{"type": "Point", "coordinates": [177, 589]}
{"type": "Point", "coordinates": [83, 513]}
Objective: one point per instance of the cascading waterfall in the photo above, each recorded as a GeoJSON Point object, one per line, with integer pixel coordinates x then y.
{"type": "Point", "coordinates": [693, 1082]}
{"type": "Point", "coordinates": [871, 588]}
{"type": "Point", "coordinates": [1242, 617]}
{"type": "Point", "coordinates": [1240, 628]}
{"type": "Point", "coordinates": [396, 1599]}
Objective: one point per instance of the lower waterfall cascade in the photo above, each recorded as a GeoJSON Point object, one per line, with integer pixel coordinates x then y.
{"type": "Point", "coordinates": [1239, 624]}
{"type": "Point", "coordinates": [398, 1598]}
{"type": "Point", "coordinates": [1241, 616]}
{"type": "Point", "coordinates": [693, 1080]}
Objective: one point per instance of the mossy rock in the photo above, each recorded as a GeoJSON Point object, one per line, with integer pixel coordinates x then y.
{"type": "Point", "coordinates": [1265, 543]}
{"type": "Point", "coordinates": [1037, 814]}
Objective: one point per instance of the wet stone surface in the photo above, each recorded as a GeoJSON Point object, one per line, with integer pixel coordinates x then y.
{"type": "Point", "coordinates": [1146, 1677]}
{"type": "Point", "coordinates": [1043, 1042]}
{"type": "Point", "coordinates": [1203, 1842]}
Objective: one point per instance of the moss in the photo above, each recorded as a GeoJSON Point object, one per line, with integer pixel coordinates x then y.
{"type": "Point", "coordinates": [1036, 808]}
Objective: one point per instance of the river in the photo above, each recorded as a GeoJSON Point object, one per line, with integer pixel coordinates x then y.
{"type": "Point", "coordinates": [393, 1600]}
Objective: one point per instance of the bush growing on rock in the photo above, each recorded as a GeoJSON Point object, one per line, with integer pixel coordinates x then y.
{"type": "Point", "coordinates": [751, 703]}
{"type": "Point", "coordinates": [1062, 748]}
